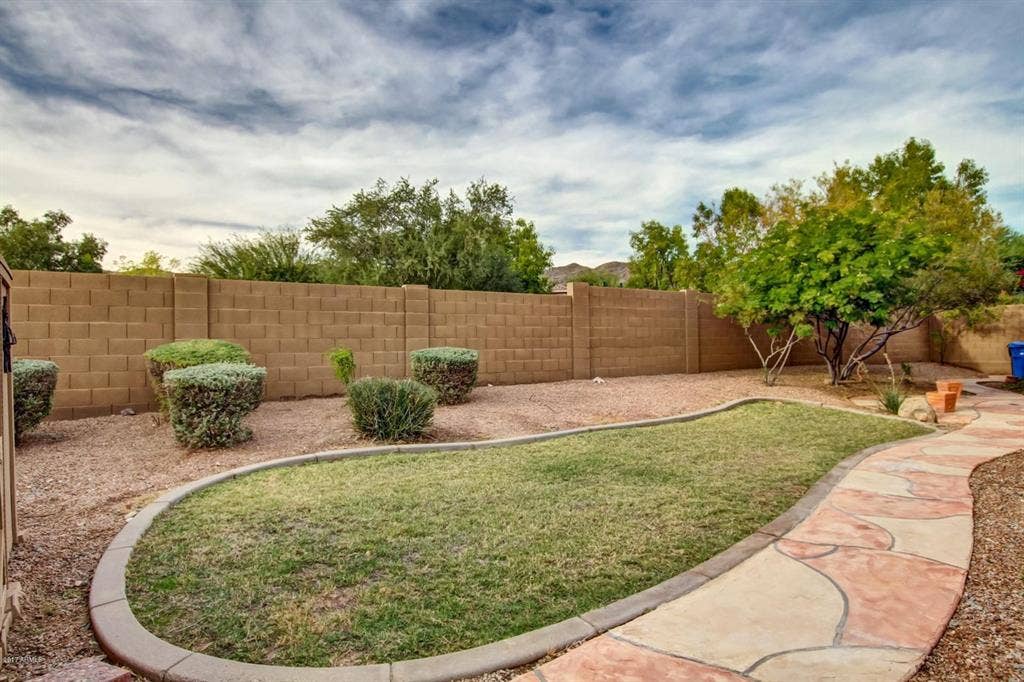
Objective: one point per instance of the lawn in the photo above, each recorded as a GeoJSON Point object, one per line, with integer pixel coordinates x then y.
{"type": "Point", "coordinates": [400, 556]}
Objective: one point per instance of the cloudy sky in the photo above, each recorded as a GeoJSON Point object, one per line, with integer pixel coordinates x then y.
{"type": "Point", "coordinates": [159, 125]}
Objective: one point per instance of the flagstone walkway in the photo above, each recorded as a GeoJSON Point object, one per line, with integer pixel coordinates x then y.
{"type": "Point", "coordinates": [862, 589]}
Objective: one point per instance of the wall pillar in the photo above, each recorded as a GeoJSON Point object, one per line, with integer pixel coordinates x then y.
{"type": "Point", "coordinates": [417, 319]}
{"type": "Point", "coordinates": [579, 293]}
{"type": "Point", "coordinates": [691, 331]}
{"type": "Point", "coordinates": [191, 307]}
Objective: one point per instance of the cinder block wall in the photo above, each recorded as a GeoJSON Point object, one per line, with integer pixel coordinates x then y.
{"type": "Point", "coordinates": [637, 331]}
{"type": "Point", "coordinates": [522, 338]}
{"type": "Point", "coordinates": [984, 349]}
{"type": "Point", "coordinates": [97, 326]}
{"type": "Point", "coordinates": [289, 328]}
{"type": "Point", "coordinates": [723, 345]}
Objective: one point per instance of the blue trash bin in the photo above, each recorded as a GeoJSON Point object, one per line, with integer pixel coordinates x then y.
{"type": "Point", "coordinates": [1016, 349]}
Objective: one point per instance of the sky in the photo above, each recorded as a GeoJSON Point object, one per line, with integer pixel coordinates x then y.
{"type": "Point", "coordinates": [162, 125]}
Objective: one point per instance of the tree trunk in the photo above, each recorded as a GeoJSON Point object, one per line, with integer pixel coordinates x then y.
{"type": "Point", "coordinates": [829, 341]}
{"type": "Point", "coordinates": [774, 359]}
{"type": "Point", "coordinates": [875, 342]}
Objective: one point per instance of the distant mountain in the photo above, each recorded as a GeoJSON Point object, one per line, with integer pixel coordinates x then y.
{"type": "Point", "coordinates": [561, 274]}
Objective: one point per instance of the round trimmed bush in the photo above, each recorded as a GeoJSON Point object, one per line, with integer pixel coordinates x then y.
{"type": "Point", "coordinates": [208, 402]}
{"type": "Point", "coordinates": [34, 383]}
{"type": "Point", "coordinates": [180, 354]}
{"type": "Point", "coordinates": [449, 371]}
{"type": "Point", "coordinates": [389, 409]}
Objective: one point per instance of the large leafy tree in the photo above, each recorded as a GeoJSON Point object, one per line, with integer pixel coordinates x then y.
{"type": "Point", "coordinates": [530, 258]}
{"type": "Point", "coordinates": [273, 255]}
{"type": "Point", "coordinates": [152, 264]}
{"type": "Point", "coordinates": [39, 244]}
{"type": "Point", "coordinates": [723, 232]}
{"type": "Point", "coordinates": [394, 234]}
{"type": "Point", "coordinates": [661, 257]}
{"type": "Point", "coordinates": [881, 248]}
{"type": "Point", "coordinates": [1011, 253]}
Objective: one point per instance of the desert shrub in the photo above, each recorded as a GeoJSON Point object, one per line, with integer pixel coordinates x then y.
{"type": "Point", "coordinates": [449, 371]}
{"type": "Point", "coordinates": [908, 372]}
{"type": "Point", "coordinates": [389, 409]}
{"type": "Point", "coordinates": [208, 402]}
{"type": "Point", "coordinates": [344, 363]}
{"type": "Point", "coordinates": [181, 354]}
{"type": "Point", "coordinates": [890, 396]}
{"type": "Point", "coordinates": [891, 399]}
{"type": "Point", "coordinates": [34, 382]}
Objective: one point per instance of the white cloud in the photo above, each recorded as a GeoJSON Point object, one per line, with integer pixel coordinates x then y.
{"type": "Point", "coordinates": [592, 133]}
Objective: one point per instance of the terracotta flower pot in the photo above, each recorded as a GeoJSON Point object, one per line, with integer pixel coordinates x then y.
{"type": "Point", "coordinates": [950, 385]}
{"type": "Point", "coordinates": [941, 401]}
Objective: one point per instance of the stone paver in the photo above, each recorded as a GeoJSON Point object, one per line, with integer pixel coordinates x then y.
{"type": "Point", "coordinates": [605, 659]}
{"type": "Point", "coordinates": [860, 590]}
{"type": "Point", "coordinates": [837, 663]}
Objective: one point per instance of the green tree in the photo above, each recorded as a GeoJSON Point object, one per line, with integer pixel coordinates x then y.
{"type": "Point", "coordinates": [152, 264]}
{"type": "Point", "coordinates": [724, 232]}
{"type": "Point", "coordinates": [530, 258]}
{"type": "Point", "coordinates": [660, 259]}
{"type": "Point", "coordinates": [400, 234]}
{"type": "Point", "coordinates": [596, 278]}
{"type": "Point", "coordinates": [39, 244]}
{"type": "Point", "coordinates": [1011, 254]}
{"type": "Point", "coordinates": [882, 247]}
{"type": "Point", "coordinates": [273, 256]}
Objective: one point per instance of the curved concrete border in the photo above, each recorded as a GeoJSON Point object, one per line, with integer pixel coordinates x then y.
{"type": "Point", "coordinates": [127, 642]}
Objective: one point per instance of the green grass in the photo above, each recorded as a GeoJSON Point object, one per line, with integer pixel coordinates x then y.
{"type": "Point", "coordinates": [400, 556]}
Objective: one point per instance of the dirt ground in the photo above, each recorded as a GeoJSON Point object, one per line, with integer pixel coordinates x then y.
{"type": "Point", "coordinates": [985, 638]}
{"type": "Point", "coordinates": [79, 480]}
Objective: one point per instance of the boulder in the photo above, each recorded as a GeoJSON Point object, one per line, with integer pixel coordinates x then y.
{"type": "Point", "coordinates": [917, 407]}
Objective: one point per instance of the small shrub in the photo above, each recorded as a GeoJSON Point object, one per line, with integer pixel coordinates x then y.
{"type": "Point", "coordinates": [890, 397]}
{"type": "Point", "coordinates": [908, 372]}
{"type": "Point", "coordinates": [389, 409]}
{"type": "Point", "coordinates": [344, 364]}
{"type": "Point", "coordinates": [181, 354]}
{"type": "Point", "coordinates": [208, 402]}
{"type": "Point", "coordinates": [34, 382]}
{"type": "Point", "coordinates": [449, 371]}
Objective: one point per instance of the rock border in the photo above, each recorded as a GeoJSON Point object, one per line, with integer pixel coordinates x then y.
{"type": "Point", "coordinates": [125, 640]}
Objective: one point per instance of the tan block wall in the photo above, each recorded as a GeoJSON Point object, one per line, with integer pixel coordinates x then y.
{"type": "Point", "coordinates": [984, 349]}
{"type": "Point", "coordinates": [723, 345]}
{"type": "Point", "coordinates": [96, 328]}
{"type": "Point", "coordinates": [637, 331]}
{"type": "Point", "coordinates": [522, 338]}
{"type": "Point", "coordinates": [288, 328]}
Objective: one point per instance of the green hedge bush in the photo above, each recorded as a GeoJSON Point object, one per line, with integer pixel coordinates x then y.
{"type": "Point", "coordinates": [389, 409]}
{"type": "Point", "coordinates": [449, 371]}
{"type": "Point", "coordinates": [208, 402]}
{"type": "Point", "coordinates": [181, 354]}
{"type": "Point", "coordinates": [34, 383]}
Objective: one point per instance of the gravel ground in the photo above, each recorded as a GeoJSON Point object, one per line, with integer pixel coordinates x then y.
{"type": "Point", "coordinates": [985, 638]}
{"type": "Point", "coordinates": [79, 480]}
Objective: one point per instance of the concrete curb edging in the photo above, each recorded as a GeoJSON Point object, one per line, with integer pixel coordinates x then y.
{"type": "Point", "coordinates": [127, 642]}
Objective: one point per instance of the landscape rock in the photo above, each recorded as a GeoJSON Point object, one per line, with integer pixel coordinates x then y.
{"type": "Point", "coordinates": [916, 407]}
